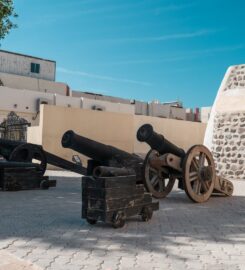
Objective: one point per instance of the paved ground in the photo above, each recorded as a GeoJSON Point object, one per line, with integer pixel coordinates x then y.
{"type": "Point", "coordinates": [44, 229]}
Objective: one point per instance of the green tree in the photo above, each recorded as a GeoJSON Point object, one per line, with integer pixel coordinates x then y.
{"type": "Point", "coordinates": [7, 13]}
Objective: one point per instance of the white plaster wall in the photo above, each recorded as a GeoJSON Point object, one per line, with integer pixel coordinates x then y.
{"type": "Point", "coordinates": [177, 113]}
{"type": "Point", "coordinates": [68, 101]}
{"type": "Point", "coordinates": [21, 65]}
{"type": "Point", "coordinates": [205, 114]}
{"type": "Point", "coordinates": [141, 108]}
{"type": "Point", "coordinates": [166, 111]}
{"type": "Point", "coordinates": [24, 101]}
{"type": "Point", "coordinates": [23, 82]}
{"type": "Point", "coordinates": [108, 106]}
{"type": "Point", "coordinates": [101, 97]}
{"type": "Point", "coordinates": [158, 110]}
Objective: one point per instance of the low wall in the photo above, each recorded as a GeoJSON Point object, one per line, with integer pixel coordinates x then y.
{"type": "Point", "coordinates": [117, 129]}
{"type": "Point", "coordinates": [108, 128]}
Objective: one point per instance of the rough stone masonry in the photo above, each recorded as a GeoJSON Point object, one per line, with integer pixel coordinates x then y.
{"type": "Point", "coordinates": [228, 145]}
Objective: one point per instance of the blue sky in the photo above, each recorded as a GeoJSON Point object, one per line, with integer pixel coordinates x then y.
{"type": "Point", "coordinates": [140, 49]}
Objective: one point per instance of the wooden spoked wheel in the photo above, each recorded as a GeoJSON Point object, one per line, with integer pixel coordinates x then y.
{"type": "Point", "coordinates": [158, 183]}
{"type": "Point", "coordinates": [198, 173]}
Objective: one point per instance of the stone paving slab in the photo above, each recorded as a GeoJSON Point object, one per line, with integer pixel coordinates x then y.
{"type": "Point", "coordinates": [44, 229]}
{"type": "Point", "coordinates": [11, 262]}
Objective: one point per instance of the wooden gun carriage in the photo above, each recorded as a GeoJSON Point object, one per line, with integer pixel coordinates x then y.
{"type": "Point", "coordinates": [24, 164]}
{"type": "Point", "coordinates": [195, 169]}
{"type": "Point", "coordinates": [113, 189]}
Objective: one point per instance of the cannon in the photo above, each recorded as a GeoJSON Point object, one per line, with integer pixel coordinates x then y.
{"type": "Point", "coordinates": [28, 152]}
{"type": "Point", "coordinates": [195, 169]}
{"type": "Point", "coordinates": [24, 164]}
{"type": "Point", "coordinates": [112, 190]}
{"type": "Point", "coordinates": [22, 175]}
{"type": "Point", "coordinates": [103, 155]}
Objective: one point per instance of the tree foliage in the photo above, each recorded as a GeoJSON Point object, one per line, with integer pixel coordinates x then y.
{"type": "Point", "coordinates": [7, 13]}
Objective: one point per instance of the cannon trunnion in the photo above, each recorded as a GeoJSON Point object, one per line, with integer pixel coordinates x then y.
{"type": "Point", "coordinates": [195, 169]}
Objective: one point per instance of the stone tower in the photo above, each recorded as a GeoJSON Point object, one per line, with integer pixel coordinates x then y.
{"type": "Point", "coordinates": [225, 133]}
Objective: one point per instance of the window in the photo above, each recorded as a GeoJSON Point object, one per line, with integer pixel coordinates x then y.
{"type": "Point", "coordinates": [35, 68]}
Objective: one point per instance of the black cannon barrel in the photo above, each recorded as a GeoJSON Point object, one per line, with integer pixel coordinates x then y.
{"type": "Point", "coordinates": [95, 150]}
{"type": "Point", "coordinates": [157, 141]}
{"type": "Point", "coordinates": [16, 164]}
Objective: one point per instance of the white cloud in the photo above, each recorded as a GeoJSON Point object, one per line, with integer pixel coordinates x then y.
{"type": "Point", "coordinates": [174, 36]}
{"type": "Point", "coordinates": [179, 57]}
{"type": "Point", "coordinates": [101, 77]}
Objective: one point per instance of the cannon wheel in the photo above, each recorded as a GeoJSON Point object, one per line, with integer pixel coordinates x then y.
{"type": "Point", "coordinates": [198, 173]}
{"type": "Point", "coordinates": [146, 213]}
{"type": "Point", "coordinates": [158, 184]}
{"type": "Point", "coordinates": [29, 153]}
{"type": "Point", "coordinates": [118, 220]}
{"type": "Point", "coordinates": [91, 221]}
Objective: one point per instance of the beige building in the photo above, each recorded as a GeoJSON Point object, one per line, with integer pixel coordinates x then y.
{"type": "Point", "coordinates": [23, 88]}
{"type": "Point", "coordinates": [205, 113]}
{"type": "Point", "coordinates": [28, 66]}
{"type": "Point", "coordinates": [27, 73]}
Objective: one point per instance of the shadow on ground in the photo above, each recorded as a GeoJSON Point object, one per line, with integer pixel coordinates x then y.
{"type": "Point", "coordinates": [53, 218]}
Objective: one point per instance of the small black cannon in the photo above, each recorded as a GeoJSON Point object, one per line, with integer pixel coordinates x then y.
{"type": "Point", "coordinates": [102, 155]}
{"type": "Point", "coordinates": [28, 152]}
{"type": "Point", "coordinates": [113, 188]}
{"type": "Point", "coordinates": [24, 165]}
{"type": "Point", "coordinates": [195, 169]}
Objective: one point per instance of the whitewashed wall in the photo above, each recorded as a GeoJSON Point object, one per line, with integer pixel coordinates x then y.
{"type": "Point", "coordinates": [205, 114]}
{"type": "Point", "coordinates": [24, 101]}
{"type": "Point", "coordinates": [22, 82]}
{"type": "Point", "coordinates": [166, 111]}
{"type": "Point", "coordinates": [108, 106]}
{"type": "Point", "coordinates": [21, 65]}
{"type": "Point", "coordinates": [71, 102]}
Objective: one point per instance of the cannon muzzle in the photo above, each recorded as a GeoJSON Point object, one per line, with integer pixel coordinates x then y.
{"type": "Point", "coordinates": [157, 141]}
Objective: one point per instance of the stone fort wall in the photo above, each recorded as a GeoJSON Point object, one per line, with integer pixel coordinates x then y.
{"type": "Point", "coordinates": [229, 144]}
{"type": "Point", "coordinates": [225, 133]}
